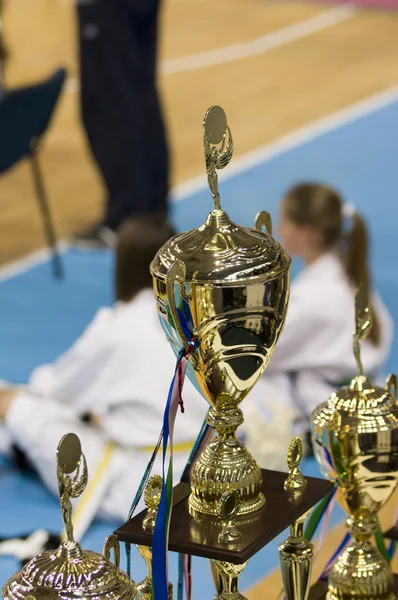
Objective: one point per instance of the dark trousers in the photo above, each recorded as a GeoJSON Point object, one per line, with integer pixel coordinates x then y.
{"type": "Point", "coordinates": [120, 105]}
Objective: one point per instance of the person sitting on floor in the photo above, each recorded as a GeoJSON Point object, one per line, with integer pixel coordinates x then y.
{"type": "Point", "coordinates": [110, 387]}
{"type": "Point", "coordinates": [314, 355]}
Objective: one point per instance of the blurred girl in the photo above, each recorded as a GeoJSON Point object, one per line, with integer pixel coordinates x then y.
{"type": "Point", "coordinates": [110, 388]}
{"type": "Point", "coordinates": [314, 356]}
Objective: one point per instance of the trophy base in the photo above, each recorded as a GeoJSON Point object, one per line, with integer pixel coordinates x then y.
{"type": "Point", "coordinates": [320, 589]}
{"type": "Point", "coordinates": [201, 538]}
{"type": "Point", "coordinates": [224, 465]}
{"type": "Point", "coordinates": [361, 573]}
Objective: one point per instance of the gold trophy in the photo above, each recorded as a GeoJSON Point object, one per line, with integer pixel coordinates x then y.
{"type": "Point", "coordinates": [232, 283]}
{"type": "Point", "coordinates": [71, 573]}
{"type": "Point", "coordinates": [226, 574]}
{"type": "Point", "coordinates": [296, 553]}
{"type": "Point", "coordinates": [355, 439]}
{"type": "Point", "coordinates": [152, 498]}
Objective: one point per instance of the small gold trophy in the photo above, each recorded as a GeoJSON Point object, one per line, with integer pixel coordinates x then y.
{"type": "Point", "coordinates": [71, 573]}
{"type": "Point", "coordinates": [222, 292]}
{"type": "Point", "coordinates": [355, 439]}
{"type": "Point", "coordinates": [152, 498]}
{"type": "Point", "coordinates": [296, 553]}
{"type": "Point", "coordinates": [226, 574]}
{"type": "Point", "coordinates": [233, 283]}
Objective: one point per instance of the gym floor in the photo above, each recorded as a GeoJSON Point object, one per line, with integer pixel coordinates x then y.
{"type": "Point", "coordinates": [310, 91]}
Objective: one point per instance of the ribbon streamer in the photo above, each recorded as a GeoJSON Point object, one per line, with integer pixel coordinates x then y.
{"type": "Point", "coordinates": [162, 526]}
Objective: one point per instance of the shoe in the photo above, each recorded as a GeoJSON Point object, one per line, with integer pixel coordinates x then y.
{"type": "Point", "coordinates": [98, 236]}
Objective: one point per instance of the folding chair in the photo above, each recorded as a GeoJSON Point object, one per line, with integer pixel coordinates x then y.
{"type": "Point", "coordinates": [25, 114]}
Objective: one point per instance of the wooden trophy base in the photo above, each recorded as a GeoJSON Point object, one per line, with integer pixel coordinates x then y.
{"type": "Point", "coordinates": [200, 537]}
{"type": "Point", "coordinates": [392, 534]}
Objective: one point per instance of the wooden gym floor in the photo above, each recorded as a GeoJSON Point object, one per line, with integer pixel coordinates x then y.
{"type": "Point", "coordinates": [291, 64]}
{"type": "Point", "coordinates": [285, 78]}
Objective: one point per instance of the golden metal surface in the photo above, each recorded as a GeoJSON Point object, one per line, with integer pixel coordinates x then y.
{"type": "Point", "coordinates": [363, 323]}
{"type": "Point", "coordinates": [355, 439]}
{"type": "Point", "coordinates": [229, 509]}
{"type": "Point", "coordinates": [152, 495]}
{"type": "Point", "coordinates": [263, 219]}
{"type": "Point", "coordinates": [296, 553]}
{"type": "Point", "coordinates": [235, 282]}
{"type": "Point", "coordinates": [295, 479]}
{"type": "Point", "coordinates": [226, 579]}
{"type": "Point", "coordinates": [296, 557]}
{"type": "Point", "coordinates": [70, 460]}
{"type": "Point", "coordinates": [71, 573]}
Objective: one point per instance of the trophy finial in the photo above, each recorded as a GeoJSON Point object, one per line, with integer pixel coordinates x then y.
{"type": "Point", "coordinates": [72, 477]}
{"type": "Point", "coordinates": [295, 480]}
{"type": "Point", "coordinates": [218, 146]}
{"type": "Point", "coordinates": [363, 323]}
{"type": "Point", "coordinates": [152, 495]}
{"type": "Point", "coordinates": [228, 510]}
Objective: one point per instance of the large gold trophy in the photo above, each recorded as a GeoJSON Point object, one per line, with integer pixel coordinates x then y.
{"type": "Point", "coordinates": [355, 439]}
{"type": "Point", "coordinates": [222, 292]}
{"type": "Point", "coordinates": [70, 572]}
{"type": "Point", "coordinates": [235, 281]}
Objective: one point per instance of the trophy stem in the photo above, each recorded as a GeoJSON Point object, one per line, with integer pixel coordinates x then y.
{"type": "Point", "coordinates": [296, 557]}
{"type": "Point", "coordinates": [226, 576]}
{"type": "Point", "coordinates": [225, 464]}
{"type": "Point", "coordinates": [144, 588]}
{"type": "Point", "coordinates": [360, 571]}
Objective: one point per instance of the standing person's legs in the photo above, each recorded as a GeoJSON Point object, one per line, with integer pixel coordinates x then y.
{"type": "Point", "coordinates": [156, 147]}
{"type": "Point", "coordinates": [121, 117]}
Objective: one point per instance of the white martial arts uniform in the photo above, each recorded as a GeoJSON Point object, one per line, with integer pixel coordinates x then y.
{"type": "Point", "coordinates": [121, 369]}
{"type": "Point", "coordinates": [312, 358]}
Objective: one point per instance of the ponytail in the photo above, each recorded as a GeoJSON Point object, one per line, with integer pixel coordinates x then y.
{"type": "Point", "coordinates": [355, 261]}
{"type": "Point", "coordinates": [322, 208]}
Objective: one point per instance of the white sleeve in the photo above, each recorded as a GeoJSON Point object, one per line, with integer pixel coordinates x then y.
{"type": "Point", "coordinates": [76, 368]}
{"type": "Point", "coordinates": [298, 341]}
{"type": "Point", "coordinates": [132, 425]}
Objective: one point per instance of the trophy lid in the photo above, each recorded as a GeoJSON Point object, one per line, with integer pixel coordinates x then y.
{"type": "Point", "coordinates": [364, 398]}
{"type": "Point", "coordinates": [220, 251]}
{"type": "Point", "coordinates": [361, 398]}
{"type": "Point", "coordinates": [71, 572]}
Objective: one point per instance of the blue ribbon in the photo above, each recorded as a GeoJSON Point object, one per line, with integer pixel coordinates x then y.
{"type": "Point", "coordinates": [159, 550]}
{"type": "Point", "coordinates": [159, 540]}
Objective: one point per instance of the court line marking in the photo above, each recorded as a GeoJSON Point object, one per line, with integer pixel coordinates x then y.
{"type": "Point", "coordinates": [292, 140]}
{"type": "Point", "coordinates": [19, 266]}
{"type": "Point", "coordinates": [260, 45]}
{"type": "Point", "coordinates": [251, 159]}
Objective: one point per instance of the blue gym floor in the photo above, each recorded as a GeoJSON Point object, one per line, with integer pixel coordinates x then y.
{"type": "Point", "coordinates": [39, 317]}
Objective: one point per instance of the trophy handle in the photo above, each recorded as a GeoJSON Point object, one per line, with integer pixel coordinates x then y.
{"type": "Point", "coordinates": [112, 543]}
{"type": "Point", "coordinates": [176, 274]}
{"type": "Point", "coordinates": [263, 219]}
{"type": "Point", "coordinates": [391, 384]}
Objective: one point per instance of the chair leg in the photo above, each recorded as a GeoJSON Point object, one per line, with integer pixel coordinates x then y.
{"type": "Point", "coordinates": [58, 270]}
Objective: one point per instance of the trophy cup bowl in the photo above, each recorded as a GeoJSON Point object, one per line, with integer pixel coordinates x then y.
{"type": "Point", "coordinates": [231, 284]}
{"type": "Point", "coordinates": [355, 441]}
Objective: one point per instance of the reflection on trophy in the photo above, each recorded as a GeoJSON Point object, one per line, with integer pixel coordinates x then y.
{"type": "Point", "coordinates": [296, 553]}
{"type": "Point", "coordinates": [355, 438]}
{"type": "Point", "coordinates": [233, 282]}
{"type": "Point", "coordinates": [71, 573]}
